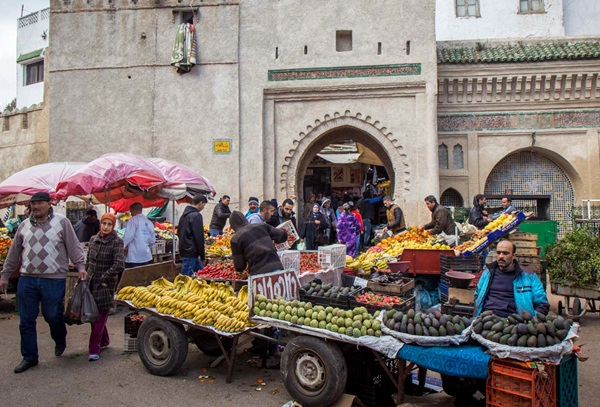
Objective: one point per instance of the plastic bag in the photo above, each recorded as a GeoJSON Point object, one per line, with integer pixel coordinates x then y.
{"type": "Point", "coordinates": [81, 308]}
{"type": "Point", "coordinates": [301, 246]}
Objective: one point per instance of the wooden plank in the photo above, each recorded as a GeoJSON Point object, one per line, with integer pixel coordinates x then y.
{"type": "Point", "coordinates": [523, 236]}
{"type": "Point", "coordinates": [144, 275]}
{"type": "Point", "coordinates": [528, 251]}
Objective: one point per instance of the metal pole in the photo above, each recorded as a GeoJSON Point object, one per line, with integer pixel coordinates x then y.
{"type": "Point", "coordinates": [173, 230]}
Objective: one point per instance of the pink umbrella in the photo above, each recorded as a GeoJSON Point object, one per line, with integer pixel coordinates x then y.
{"type": "Point", "coordinates": [114, 177]}
{"type": "Point", "coordinates": [19, 187]}
{"type": "Point", "coordinates": [182, 182]}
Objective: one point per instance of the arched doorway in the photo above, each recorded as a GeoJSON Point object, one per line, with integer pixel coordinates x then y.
{"type": "Point", "coordinates": [363, 131]}
{"type": "Point", "coordinates": [451, 197]}
{"type": "Point", "coordinates": [531, 173]}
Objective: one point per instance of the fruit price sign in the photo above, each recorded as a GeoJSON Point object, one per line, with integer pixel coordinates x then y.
{"type": "Point", "coordinates": [284, 284]}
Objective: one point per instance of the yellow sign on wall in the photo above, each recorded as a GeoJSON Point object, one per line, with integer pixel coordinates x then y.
{"type": "Point", "coordinates": [221, 146]}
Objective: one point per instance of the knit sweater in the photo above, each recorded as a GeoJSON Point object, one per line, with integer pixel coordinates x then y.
{"type": "Point", "coordinates": [252, 245]}
{"type": "Point", "coordinates": [44, 249]}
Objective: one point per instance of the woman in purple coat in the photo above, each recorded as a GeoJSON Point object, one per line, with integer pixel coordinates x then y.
{"type": "Point", "coordinates": [348, 228]}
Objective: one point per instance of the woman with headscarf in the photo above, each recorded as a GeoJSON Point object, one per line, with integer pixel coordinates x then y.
{"type": "Point", "coordinates": [348, 229]}
{"type": "Point", "coordinates": [330, 219]}
{"type": "Point", "coordinates": [313, 228]}
{"type": "Point", "coordinates": [105, 260]}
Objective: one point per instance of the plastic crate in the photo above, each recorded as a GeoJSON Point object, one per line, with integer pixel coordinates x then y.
{"type": "Point", "coordinates": [290, 259]}
{"type": "Point", "coordinates": [567, 385]}
{"type": "Point", "coordinates": [158, 247]}
{"type": "Point", "coordinates": [132, 325]}
{"type": "Point", "coordinates": [407, 303]}
{"type": "Point", "coordinates": [519, 384]}
{"type": "Point", "coordinates": [460, 263]}
{"type": "Point", "coordinates": [130, 344]}
{"type": "Point", "coordinates": [293, 236]}
{"type": "Point", "coordinates": [332, 256]}
{"type": "Point", "coordinates": [458, 309]}
{"type": "Point", "coordinates": [368, 380]}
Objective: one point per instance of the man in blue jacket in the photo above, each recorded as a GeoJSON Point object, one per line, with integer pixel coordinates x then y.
{"type": "Point", "coordinates": [505, 288]}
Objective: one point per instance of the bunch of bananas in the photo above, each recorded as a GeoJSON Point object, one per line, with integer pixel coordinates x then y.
{"type": "Point", "coordinates": [126, 293]}
{"type": "Point", "coordinates": [142, 297]}
{"type": "Point", "coordinates": [226, 324]}
{"type": "Point", "coordinates": [204, 303]}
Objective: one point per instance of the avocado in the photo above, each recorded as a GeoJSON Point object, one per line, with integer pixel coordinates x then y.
{"type": "Point", "coordinates": [541, 341]}
{"type": "Point", "coordinates": [442, 331]}
{"type": "Point", "coordinates": [478, 328]}
{"type": "Point", "coordinates": [532, 341]}
{"type": "Point", "coordinates": [504, 339]}
{"type": "Point", "coordinates": [522, 341]}
{"type": "Point", "coordinates": [433, 331]}
{"type": "Point", "coordinates": [410, 329]}
{"type": "Point", "coordinates": [512, 341]}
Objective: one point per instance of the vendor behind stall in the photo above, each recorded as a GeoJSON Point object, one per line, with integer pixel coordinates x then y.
{"type": "Point", "coordinates": [252, 245]}
{"type": "Point", "coordinates": [441, 219]}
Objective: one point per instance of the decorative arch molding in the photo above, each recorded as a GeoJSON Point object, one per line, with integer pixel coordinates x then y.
{"type": "Point", "coordinates": [358, 127]}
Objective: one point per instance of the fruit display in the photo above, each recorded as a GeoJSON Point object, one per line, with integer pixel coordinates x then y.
{"type": "Point", "coordinates": [212, 304]}
{"type": "Point", "coordinates": [164, 230]}
{"type": "Point", "coordinates": [425, 324]}
{"type": "Point", "coordinates": [219, 246]}
{"type": "Point", "coordinates": [309, 262]}
{"type": "Point", "coordinates": [221, 269]}
{"type": "Point", "coordinates": [315, 288]}
{"type": "Point", "coordinates": [501, 224]}
{"type": "Point", "coordinates": [354, 323]}
{"type": "Point", "coordinates": [381, 301]}
{"type": "Point", "coordinates": [523, 330]}
{"type": "Point", "coordinates": [5, 243]}
{"type": "Point", "coordinates": [391, 248]}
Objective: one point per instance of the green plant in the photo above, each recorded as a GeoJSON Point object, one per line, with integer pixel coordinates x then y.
{"type": "Point", "coordinates": [575, 258]}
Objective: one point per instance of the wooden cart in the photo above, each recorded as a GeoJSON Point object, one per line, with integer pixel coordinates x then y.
{"type": "Point", "coordinates": [574, 309]}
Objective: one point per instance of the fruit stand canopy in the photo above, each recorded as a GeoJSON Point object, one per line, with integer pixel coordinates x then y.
{"type": "Point", "coordinates": [115, 179]}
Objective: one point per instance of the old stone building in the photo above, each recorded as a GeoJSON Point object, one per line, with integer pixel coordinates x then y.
{"type": "Point", "coordinates": [278, 81]}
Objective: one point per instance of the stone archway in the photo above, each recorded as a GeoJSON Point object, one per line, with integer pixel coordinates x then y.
{"type": "Point", "coordinates": [338, 128]}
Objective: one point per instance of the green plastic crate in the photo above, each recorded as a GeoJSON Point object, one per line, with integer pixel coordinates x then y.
{"type": "Point", "coordinates": [547, 231]}
{"type": "Point", "coordinates": [567, 386]}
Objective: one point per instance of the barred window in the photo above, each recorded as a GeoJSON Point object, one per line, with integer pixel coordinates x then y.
{"type": "Point", "coordinates": [458, 162]}
{"type": "Point", "coordinates": [443, 156]}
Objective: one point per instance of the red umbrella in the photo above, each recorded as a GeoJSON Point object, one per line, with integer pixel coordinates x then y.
{"type": "Point", "coordinates": [182, 181]}
{"type": "Point", "coordinates": [19, 187]}
{"type": "Point", "coordinates": [115, 177]}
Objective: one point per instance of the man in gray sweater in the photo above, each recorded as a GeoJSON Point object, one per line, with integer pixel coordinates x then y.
{"type": "Point", "coordinates": [43, 245]}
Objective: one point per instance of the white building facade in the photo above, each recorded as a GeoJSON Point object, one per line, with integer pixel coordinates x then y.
{"type": "Point", "coordinates": [32, 41]}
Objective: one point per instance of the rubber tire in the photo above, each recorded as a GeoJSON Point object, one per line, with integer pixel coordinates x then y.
{"type": "Point", "coordinates": [162, 346]}
{"type": "Point", "coordinates": [577, 311]}
{"type": "Point", "coordinates": [330, 359]}
{"type": "Point", "coordinates": [208, 344]}
{"type": "Point", "coordinates": [561, 308]}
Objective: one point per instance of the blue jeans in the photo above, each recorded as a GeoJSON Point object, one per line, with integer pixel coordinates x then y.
{"type": "Point", "coordinates": [367, 235]}
{"type": "Point", "coordinates": [50, 292]}
{"type": "Point", "coordinates": [215, 232]}
{"type": "Point", "coordinates": [190, 265]}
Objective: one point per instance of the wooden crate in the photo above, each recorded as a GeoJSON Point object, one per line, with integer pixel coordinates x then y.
{"type": "Point", "coordinates": [529, 251]}
{"type": "Point", "coordinates": [523, 236]}
{"type": "Point", "coordinates": [524, 243]}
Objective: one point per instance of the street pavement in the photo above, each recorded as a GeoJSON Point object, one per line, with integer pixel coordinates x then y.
{"type": "Point", "coordinates": [120, 379]}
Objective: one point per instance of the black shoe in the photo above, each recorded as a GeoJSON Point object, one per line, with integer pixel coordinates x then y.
{"type": "Point", "coordinates": [59, 350]}
{"type": "Point", "coordinates": [24, 366]}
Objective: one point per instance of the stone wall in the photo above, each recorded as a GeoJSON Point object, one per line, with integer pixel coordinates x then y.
{"type": "Point", "coordinates": [23, 139]}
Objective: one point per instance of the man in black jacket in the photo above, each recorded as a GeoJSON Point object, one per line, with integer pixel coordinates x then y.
{"type": "Point", "coordinates": [191, 236]}
{"type": "Point", "coordinates": [220, 216]}
{"type": "Point", "coordinates": [252, 245]}
{"type": "Point", "coordinates": [284, 213]}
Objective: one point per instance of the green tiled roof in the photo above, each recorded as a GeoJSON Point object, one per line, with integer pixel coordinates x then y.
{"type": "Point", "coordinates": [483, 53]}
{"type": "Point", "coordinates": [29, 55]}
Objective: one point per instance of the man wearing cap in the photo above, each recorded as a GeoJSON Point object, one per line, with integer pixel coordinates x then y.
{"type": "Point", "coordinates": [44, 245]}
{"type": "Point", "coordinates": [252, 206]}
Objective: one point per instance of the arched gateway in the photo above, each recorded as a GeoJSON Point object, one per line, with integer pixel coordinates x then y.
{"type": "Point", "coordinates": [365, 131]}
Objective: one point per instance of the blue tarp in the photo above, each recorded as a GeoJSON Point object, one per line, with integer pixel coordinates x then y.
{"type": "Point", "coordinates": [469, 360]}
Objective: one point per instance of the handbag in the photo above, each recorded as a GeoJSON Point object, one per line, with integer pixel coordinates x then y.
{"type": "Point", "coordinates": [321, 239]}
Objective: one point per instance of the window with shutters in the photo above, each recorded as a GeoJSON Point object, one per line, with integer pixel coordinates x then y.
{"type": "Point", "coordinates": [34, 73]}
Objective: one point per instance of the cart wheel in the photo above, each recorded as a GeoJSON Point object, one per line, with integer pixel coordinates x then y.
{"type": "Point", "coordinates": [577, 311]}
{"type": "Point", "coordinates": [162, 346]}
{"type": "Point", "coordinates": [208, 344]}
{"type": "Point", "coordinates": [561, 307]}
{"type": "Point", "coordinates": [314, 371]}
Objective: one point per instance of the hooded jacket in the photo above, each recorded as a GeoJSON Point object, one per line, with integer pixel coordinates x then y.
{"type": "Point", "coordinates": [529, 293]}
{"type": "Point", "coordinates": [219, 217]}
{"type": "Point", "coordinates": [252, 245]}
{"type": "Point", "coordinates": [191, 233]}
